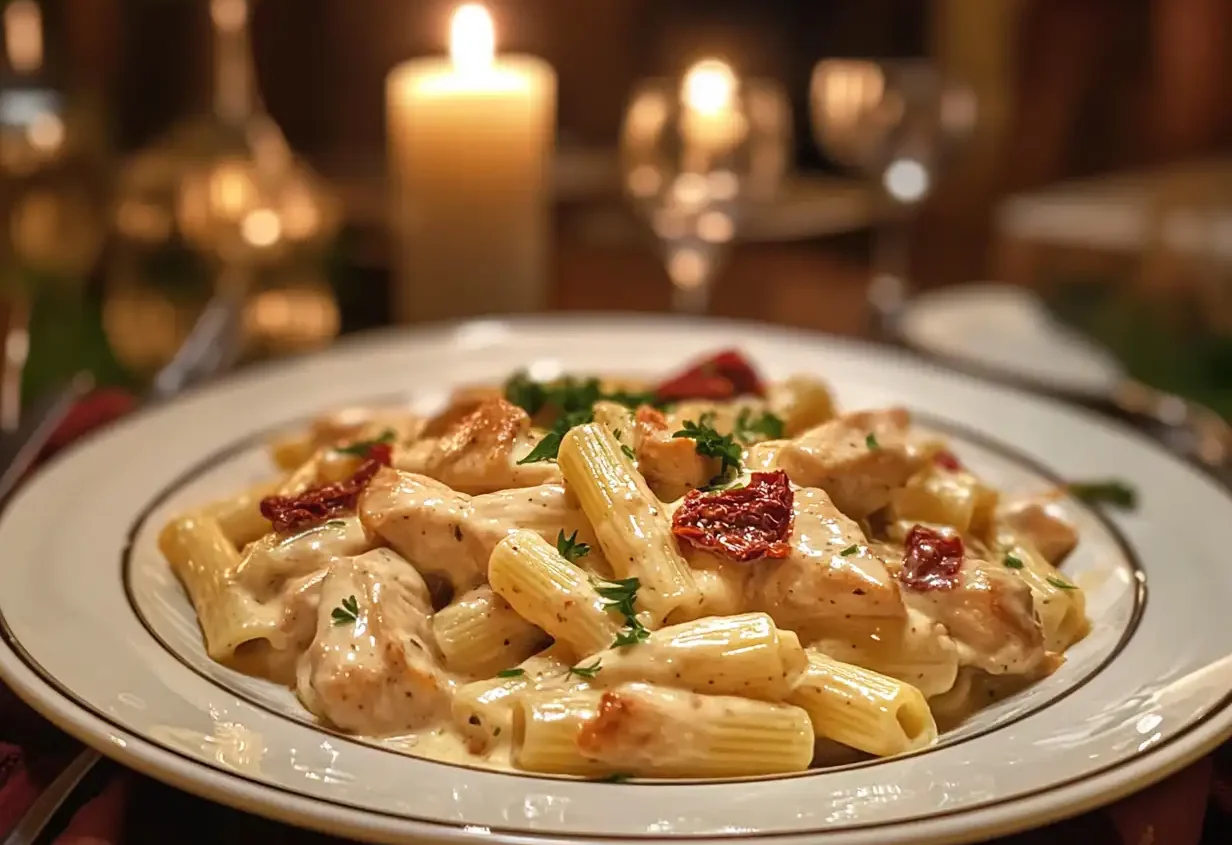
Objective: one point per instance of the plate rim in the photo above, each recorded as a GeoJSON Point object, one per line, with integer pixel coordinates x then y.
{"type": "Point", "coordinates": [185, 772]}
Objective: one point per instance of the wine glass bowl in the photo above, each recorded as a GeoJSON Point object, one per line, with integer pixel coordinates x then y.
{"type": "Point", "coordinates": [898, 123]}
{"type": "Point", "coordinates": [694, 153]}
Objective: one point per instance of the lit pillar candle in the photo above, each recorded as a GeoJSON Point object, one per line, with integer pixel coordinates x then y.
{"type": "Point", "coordinates": [470, 145]}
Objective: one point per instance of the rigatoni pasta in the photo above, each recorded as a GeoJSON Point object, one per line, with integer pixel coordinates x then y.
{"type": "Point", "coordinates": [552, 593]}
{"type": "Point", "coordinates": [863, 709]}
{"type": "Point", "coordinates": [631, 524]}
{"type": "Point", "coordinates": [712, 576]}
{"type": "Point", "coordinates": [480, 634]}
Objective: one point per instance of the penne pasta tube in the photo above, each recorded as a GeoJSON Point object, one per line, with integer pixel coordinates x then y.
{"type": "Point", "coordinates": [483, 710]}
{"type": "Point", "coordinates": [240, 516]}
{"type": "Point", "coordinates": [641, 729]}
{"type": "Point", "coordinates": [721, 655]}
{"type": "Point", "coordinates": [631, 525]}
{"type": "Point", "coordinates": [1059, 603]}
{"type": "Point", "coordinates": [206, 561]}
{"type": "Point", "coordinates": [801, 402]}
{"type": "Point", "coordinates": [549, 591]}
{"type": "Point", "coordinates": [946, 497]}
{"type": "Point", "coordinates": [863, 709]}
{"type": "Point", "coordinates": [916, 649]}
{"type": "Point", "coordinates": [480, 634]}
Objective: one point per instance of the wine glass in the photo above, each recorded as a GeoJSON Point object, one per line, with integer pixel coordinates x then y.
{"type": "Point", "coordinates": [218, 204]}
{"type": "Point", "coordinates": [898, 122]}
{"type": "Point", "coordinates": [695, 152]}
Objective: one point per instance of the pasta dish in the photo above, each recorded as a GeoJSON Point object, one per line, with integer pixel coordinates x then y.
{"type": "Point", "coordinates": [710, 576]}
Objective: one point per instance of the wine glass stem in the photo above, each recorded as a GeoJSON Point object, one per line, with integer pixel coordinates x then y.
{"type": "Point", "coordinates": [694, 300]}
{"type": "Point", "coordinates": [234, 75]}
{"type": "Point", "coordinates": [891, 265]}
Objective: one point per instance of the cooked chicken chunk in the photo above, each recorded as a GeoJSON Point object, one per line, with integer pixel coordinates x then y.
{"type": "Point", "coordinates": [670, 465]}
{"type": "Point", "coordinates": [275, 559]}
{"type": "Point", "coordinates": [452, 535]}
{"type": "Point", "coordinates": [1042, 524]}
{"type": "Point", "coordinates": [372, 667]}
{"type": "Point", "coordinates": [817, 581]}
{"type": "Point", "coordinates": [989, 614]}
{"type": "Point", "coordinates": [479, 452]}
{"type": "Point", "coordinates": [343, 426]}
{"type": "Point", "coordinates": [859, 459]}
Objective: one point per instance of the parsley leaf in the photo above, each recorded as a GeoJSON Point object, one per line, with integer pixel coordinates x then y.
{"type": "Point", "coordinates": [1012, 561]}
{"type": "Point", "coordinates": [584, 671]}
{"type": "Point", "coordinates": [549, 447]}
{"type": "Point", "coordinates": [570, 549]}
{"type": "Point", "coordinates": [336, 523]}
{"type": "Point", "coordinates": [1059, 584]}
{"type": "Point", "coordinates": [766, 427]}
{"type": "Point", "coordinates": [628, 452]}
{"type": "Point", "coordinates": [850, 550]}
{"type": "Point", "coordinates": [360, 447]}
{"type": "Point", "coordinates": [1112, 491]}
{"type": "Point", "coordinates": [619, 595]}
{"type": "Point", "coordinates": [710, 443]}
{"type": "Point", "coordinates": [871, 441]}
{"type": "Point", "coordinates": [347, 613]}
{"type": "Point", "coordinates": [636, 633]}
{"type": "Point", "coordinates": [515, 672]}
{"type": "Point", "coordinates": [528, 395]}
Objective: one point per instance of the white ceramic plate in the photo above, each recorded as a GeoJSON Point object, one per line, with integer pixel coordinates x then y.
{"type": "Point", "coordinates": [99, 637]}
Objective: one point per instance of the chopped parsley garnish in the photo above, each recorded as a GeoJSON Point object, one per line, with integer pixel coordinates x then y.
{"type": "Point", "coordinates": [711, 444]}
{"type": "Point", "coordinates": [871, 441]}
{"type": "Point", "coordinates": [336, 523]}
{"type": "Point", "coordinates": [621, 597]}
{"type": "Point", "coordinates": [549, 447]}
{"type": "Point", "coordinates": [614, 777]}
{"type": "Point", "coordinates": [515, 672]}
{"type": "Point", "coordinates": [634, 633]}
{"type": "Point", "coordinates": [617, 434]}
{"type": "Point", "coordinates": [1112, 492]}
{"type": "Point", "coordinates": [584, 671]}
{"type": "Point", "coordinates": [850, 550]}
{"type": "Point", "coordinates": [528, 395]}
{"type": "Point", "coordinates": [360, 447]}
{"type": "Point", "coordinates": [570, 549]}
{"type": "Point", "coordinates": [1012, 561]}
{"type": "Point", "coordinates": [347, 613]}
{"type": "Point", "coordinates": [1059, 584]}
{"type": "Point", "coordinates": [567, 394]}
{"type": "Point", "coordinates": [628, 452]}
{"type": "Point", "coordinates": [766, 427]}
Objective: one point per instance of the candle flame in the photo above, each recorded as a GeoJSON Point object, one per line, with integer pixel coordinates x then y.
{"type": "Point", "coordinates": [709, 86]}
{"type": "Point", "coordinates": [472, 39]}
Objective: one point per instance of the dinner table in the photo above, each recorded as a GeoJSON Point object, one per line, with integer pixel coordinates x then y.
{"type": "Point", "coordinates": [816, 284]}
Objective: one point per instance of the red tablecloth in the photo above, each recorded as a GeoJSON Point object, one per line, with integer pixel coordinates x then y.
{"type": "Point", "coordinates": [133, 810]}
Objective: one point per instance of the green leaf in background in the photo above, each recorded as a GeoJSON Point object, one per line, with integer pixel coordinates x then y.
{"type": "Point", "coordinates": [66, 335]}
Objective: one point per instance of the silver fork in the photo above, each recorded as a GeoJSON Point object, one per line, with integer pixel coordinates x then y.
{"type": "Point", "coordinates": [211, 347]}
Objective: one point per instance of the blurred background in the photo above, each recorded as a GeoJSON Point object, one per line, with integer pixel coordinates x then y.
{"type": "Point", "coordinates": [832, 165]}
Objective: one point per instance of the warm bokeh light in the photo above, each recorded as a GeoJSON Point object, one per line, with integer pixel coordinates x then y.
{"type": "Point", "coordinates": [23, 35]}
{"type": "Point", "coordinates": [261, 227]}
{"type": "Point", "coordinates": [472, 38]}
{"type": "Point", "coordinates": [709, 86]}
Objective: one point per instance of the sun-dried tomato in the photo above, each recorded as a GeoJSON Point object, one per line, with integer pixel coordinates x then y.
{"type": "Point", "coordinates": [721, 376]}
{"type": "Point", "coordinates": [741, 524]}
{"type": "Point", "coordinates": [932, 560]}
{"type": "Point", "coordinates": [947, 460]}
{"type": "Point", "coordinates": [295, 513]}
